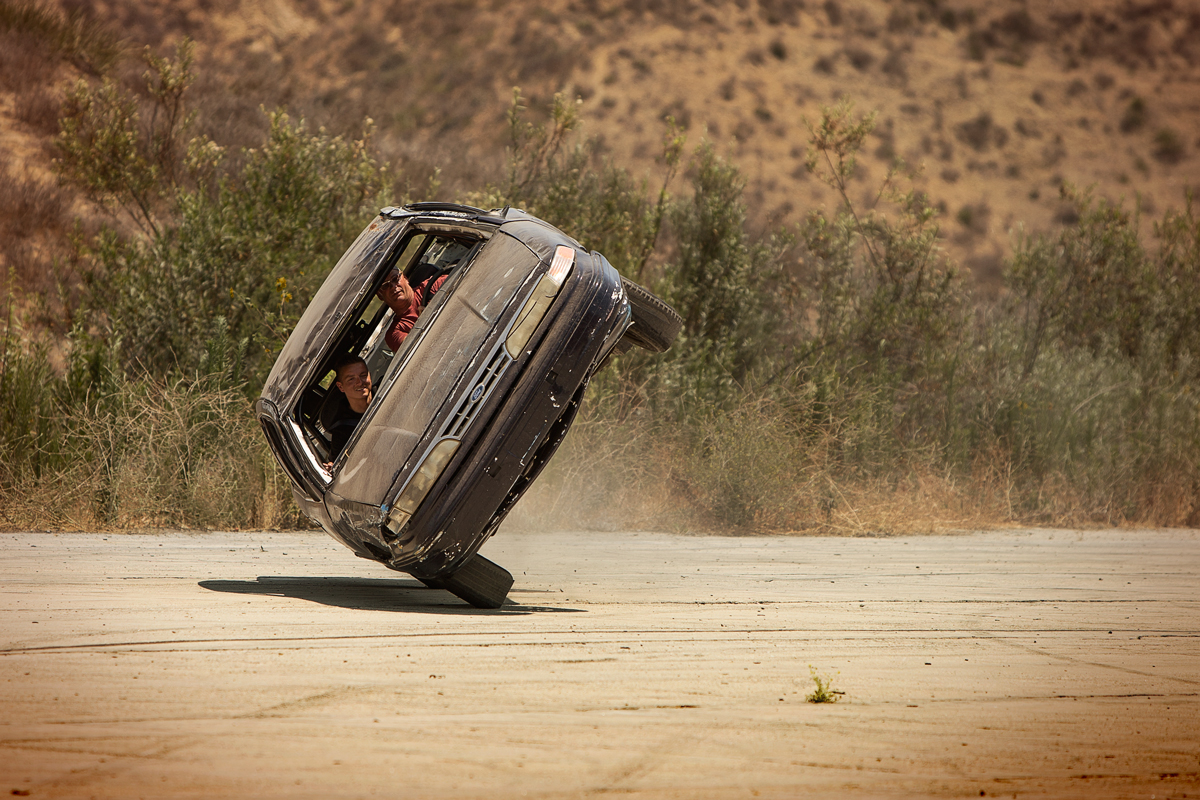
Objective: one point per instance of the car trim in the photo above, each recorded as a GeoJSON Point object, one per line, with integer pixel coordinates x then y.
{"type": "Point", "coordinates": [274, 438]}
{"type": "Point", "coordinates": [484, 382]}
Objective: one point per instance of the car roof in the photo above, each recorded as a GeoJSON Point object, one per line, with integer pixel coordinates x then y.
{"type": "Point", "coordinates": [516, 222]}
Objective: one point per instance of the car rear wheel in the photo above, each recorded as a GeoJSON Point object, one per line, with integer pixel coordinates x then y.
{"type": "Point", "coordinates": [655, 324]}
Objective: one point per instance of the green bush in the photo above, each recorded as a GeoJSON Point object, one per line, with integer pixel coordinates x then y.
{"type": "Point", "coordinates": [246, 241]}
{"type": "Point", "coordinates": [206, 266]}
{"type": "Point", "coordinates": [720, 282]}
{"type": "Point", "coordinates": [1095, 286]}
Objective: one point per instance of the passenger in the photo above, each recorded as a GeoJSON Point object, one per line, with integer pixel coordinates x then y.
{"type": "Point", "coordinates": [406, 303]}
{"type": "Point", "coordinates": [353, 379]}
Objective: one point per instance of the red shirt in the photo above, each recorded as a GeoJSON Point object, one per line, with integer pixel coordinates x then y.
{"type": "Point", "coordinates": [401, 325]}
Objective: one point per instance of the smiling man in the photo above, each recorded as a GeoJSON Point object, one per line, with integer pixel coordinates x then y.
{"type": "Point", "coordinates": [353, 379]}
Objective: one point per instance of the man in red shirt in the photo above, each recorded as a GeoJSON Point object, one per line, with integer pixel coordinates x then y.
{"type": "Point", "coordinates": [406, 302]}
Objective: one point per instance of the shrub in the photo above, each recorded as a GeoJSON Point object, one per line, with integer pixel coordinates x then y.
{"type": "Point", "coordinates": [885, 295]}
{"type": "Point", "coordinates": [1102, 413]}
{"type": "Point", "coordinates": [1169, 147]}
{"type": "Point", "coordinates": [248, 247]}
{"type": "Point", "coordinates": [981, 133]}
{"type": "Point", "coordinates": [859, 57]}
{"type": "Point", "coordinates": [719, 282]}
{"type": "Point", "coordinates": [1134, 116]}
{"type": "Point", "coordinates": [824, 691]}
{"type": "Point", "coordinates": [30, 425]}
{"type": "Point", "coordinates": [33, 221]}
{"type": "Point", "coordinates": [1091, 286]}
{"type": "Point", "coordinates": [1175, 307]}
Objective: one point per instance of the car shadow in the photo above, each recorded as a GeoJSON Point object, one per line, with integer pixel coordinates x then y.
{"type": "Point", "coordinates": [370, 594]}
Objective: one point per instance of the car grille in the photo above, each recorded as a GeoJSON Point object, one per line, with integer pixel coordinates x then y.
{"type": "Point", "coordinates": [481, 389]}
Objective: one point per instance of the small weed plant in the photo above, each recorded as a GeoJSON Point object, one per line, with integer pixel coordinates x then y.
{"type": "Point", "coordinates": [824, 691]}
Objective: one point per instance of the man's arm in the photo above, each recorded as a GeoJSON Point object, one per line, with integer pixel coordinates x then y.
{"type": "Point", "coordinates": [427, 288]}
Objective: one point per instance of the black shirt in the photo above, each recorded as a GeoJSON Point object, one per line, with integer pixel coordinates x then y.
{"type": "Point", "coordinates": [341, 430]}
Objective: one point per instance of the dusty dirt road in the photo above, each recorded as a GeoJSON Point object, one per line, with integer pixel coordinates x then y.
{"type": "Point", "coordinates": [1014, 664]}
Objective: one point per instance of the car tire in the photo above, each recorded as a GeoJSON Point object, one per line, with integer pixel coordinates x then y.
{"type": "Point", "coordinates": [655, 324]}
{"type": "Point", "coordinates": [482, 583]}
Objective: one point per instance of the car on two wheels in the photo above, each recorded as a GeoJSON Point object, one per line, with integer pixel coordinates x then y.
{"type": "Point", "coordinates": [475, 401]}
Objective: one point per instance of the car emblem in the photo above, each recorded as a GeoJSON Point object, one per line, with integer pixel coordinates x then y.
{"type": "Point", "coordinates": [477, 393]}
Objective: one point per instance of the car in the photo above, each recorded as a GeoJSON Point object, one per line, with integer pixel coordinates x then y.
{"type": "Point", "coordinates": [473, 403]}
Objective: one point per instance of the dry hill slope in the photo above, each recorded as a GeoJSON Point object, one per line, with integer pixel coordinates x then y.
{"type": "Point", "coordinates": [998, 102]}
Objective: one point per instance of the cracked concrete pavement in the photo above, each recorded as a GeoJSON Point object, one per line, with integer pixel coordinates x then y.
{"type": "Point", "coordinates": [1031, 663]}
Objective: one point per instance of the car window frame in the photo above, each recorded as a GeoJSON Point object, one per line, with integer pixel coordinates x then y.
{"type": "Point", "coordinates": [318, 441]}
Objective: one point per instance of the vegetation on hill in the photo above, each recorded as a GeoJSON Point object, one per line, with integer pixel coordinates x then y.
{"type": "Point", "coordinates": [832, 375]}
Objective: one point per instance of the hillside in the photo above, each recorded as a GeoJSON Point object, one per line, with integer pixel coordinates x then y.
{"type": "Point", "coordinates": [997, 103]}
{"type": "Point", "coordinates": [846, 384]}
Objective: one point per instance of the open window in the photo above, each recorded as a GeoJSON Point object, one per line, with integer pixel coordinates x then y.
{"type": "Point", "coordinates": [421, 256]}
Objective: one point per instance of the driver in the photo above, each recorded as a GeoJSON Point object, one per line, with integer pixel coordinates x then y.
{"type": "Point", "coordinates": [406, 303]}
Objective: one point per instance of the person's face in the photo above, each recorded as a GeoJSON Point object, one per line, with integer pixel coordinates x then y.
{"type": "Point", "coordinates": [354, 381]}
{"type": "Point", "coordinates": [396, 293]}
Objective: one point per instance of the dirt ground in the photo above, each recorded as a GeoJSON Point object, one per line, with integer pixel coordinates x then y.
{"type": "Point", "coordinates": [1014, 664]}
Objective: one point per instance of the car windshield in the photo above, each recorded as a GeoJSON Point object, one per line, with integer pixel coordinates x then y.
{"type": "Point", "coordinates": [423, 258]}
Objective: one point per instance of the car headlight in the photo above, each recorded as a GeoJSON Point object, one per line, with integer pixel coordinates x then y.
{"type": "Point", "coordinates": [418, 486]}
{"type": "Point", "coordinates": [539, 302]}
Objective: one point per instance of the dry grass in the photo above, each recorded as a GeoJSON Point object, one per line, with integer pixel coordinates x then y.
{"type": "Point", "coordinates": [24, 63]}
{"type": "Point", "coordinates": [753, 469]}
{"type": "Point", "coordinates": [38, 108]}
{"type": "Point", "coordinates": [589, 487]}
{"type": "Point", "coordinates": [29, 205]}
{"type": "Point", "coordinates": [72, 36]}
{"type": "Point", "coordinates": [159, 455]}
{"type": "Point", "coordinates": [593, 487]}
